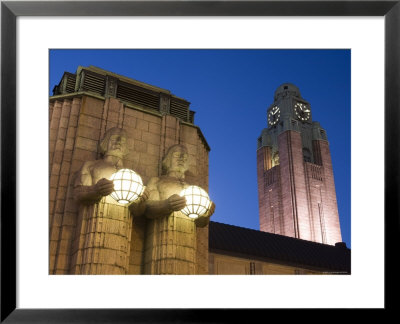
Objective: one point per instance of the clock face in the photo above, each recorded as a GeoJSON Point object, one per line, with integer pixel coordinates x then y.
{"type": "Point", "coordinates": [273, 115]}
{"type": "Point", "coordinates": [302, 111]}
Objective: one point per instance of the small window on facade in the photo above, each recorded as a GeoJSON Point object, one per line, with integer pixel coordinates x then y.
{"type": "Point", "coordinates": [285, 87]}
{"type": "Point", "coordinates": [306, 155]}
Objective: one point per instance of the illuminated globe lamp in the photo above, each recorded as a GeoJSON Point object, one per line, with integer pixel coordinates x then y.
{"type": "Point", "coordinates": [128, 186]}
{"type": "Point", "coordinates": [197, 201]}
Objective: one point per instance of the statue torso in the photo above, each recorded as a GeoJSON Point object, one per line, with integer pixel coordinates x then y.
{"type": "Point", "coordinates": [168, 186]}
{"type": "Point", "coordinates": [101, 169]}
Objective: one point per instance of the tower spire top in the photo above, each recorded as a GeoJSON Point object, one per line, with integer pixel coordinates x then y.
{"type": "Point", "coordinates": [287, 89]}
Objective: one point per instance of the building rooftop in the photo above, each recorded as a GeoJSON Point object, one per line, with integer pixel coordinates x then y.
{"type": "Point", "coordinates": [287, 88]}
{"type": "Point", "coordinates": [249, 243]}
{"type": "Point", "coordinates": [141, 95]}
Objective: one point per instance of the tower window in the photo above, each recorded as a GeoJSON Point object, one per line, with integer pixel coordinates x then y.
{"type": "Point", "coordinates": [306, 155]}
{"type": "Point", "coordinates": [285, 87]}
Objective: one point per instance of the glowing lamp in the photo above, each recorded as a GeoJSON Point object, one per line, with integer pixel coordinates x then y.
{"type": "Point", "coordinates": [197, 201]}
{"type": "Point", "coordinates": [128, 186]}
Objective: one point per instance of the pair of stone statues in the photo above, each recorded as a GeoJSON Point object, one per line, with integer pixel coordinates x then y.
{"type": "Point", "coordinates": [103, 238]}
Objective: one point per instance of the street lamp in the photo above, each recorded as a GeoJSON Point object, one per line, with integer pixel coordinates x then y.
{"type": "Point", "coordinates": [128, 186]}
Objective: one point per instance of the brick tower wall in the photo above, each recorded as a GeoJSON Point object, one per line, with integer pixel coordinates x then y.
{"type": "Point", "coordinates": [263, 157]}
{"type": "Point", "coordinates": [269, 193]}
{"type": "Point", "coordinates": [315, 190]}
{"type": "Point", "coordinates": [298, 198]}
{"type": "Point", "coordinates": [77, 124]}
{"type": "Point", "coordinates": [327, 194]}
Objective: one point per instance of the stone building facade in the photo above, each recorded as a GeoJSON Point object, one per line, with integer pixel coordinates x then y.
{"type": "Point", "coordinates": [84, 106]}
{"type": "Point", "coordinates": [296, 188]}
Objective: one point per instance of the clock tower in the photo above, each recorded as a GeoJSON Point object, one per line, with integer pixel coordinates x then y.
{"type": "Point", "coordinates": [296, 188]}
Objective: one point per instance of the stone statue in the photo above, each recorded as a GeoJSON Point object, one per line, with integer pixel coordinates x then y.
{"type": "Point", "coordinates": [103, 233]}
{"type": "Point", "coordinates": [92, 184]}
{"type": "Point", "coordinates": [275, 159]}
{"type": "Point", "coordinates": [171, 236]}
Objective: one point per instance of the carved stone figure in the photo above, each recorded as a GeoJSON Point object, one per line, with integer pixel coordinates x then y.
{"type": "Point", "coordinates": [101, 244]}
{"type": "Point", "coordinates": [275, 159]}
{"type": "Point", "coordinates": [170, 244]}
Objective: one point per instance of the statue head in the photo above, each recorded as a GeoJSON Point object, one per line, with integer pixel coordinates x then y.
{"type": "Point", "coordinates": [176, 159]}
{"type": "Point", "coordinates": [114, 143]}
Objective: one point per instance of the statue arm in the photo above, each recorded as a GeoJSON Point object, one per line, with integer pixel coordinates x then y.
{"type": "Point", "coordinates": [156, 208]}
{"type": "Point", "coordinates": [138, 208]}
{"type": "Point", "coordinates": [87, 192]}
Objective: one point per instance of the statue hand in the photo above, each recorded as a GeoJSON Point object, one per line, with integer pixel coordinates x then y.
{"type": "Point", "coordinates": [176, 202]}
{"type": "Point", "coordinates": [104, 187]}
{"type": "Point", "coordinates": [211, 210]}
{"type": "Point", "coordinates": [138, 206]}
{"type": "Point", "coordinates": [145, 195]}
{"type": "Point", "coordinates": [203, 221]}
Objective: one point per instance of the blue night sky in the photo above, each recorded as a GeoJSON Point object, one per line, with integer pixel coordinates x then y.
{"type": "Point", "coordinates": [230, 91]}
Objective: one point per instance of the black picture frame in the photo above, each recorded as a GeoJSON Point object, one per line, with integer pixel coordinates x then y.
{"type": "Point", "coordinates": [10, 10]}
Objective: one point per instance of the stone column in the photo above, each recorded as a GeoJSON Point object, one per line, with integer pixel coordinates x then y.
{"type": "Point", "coordinates": [102, 246]}
{"type": "Point", "coordinates": [171, 245]}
